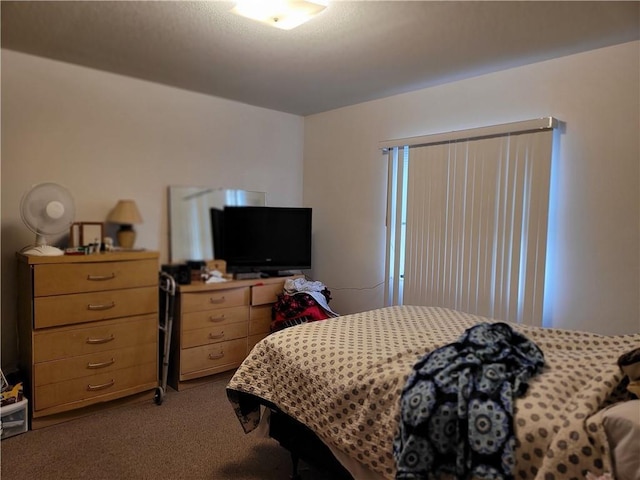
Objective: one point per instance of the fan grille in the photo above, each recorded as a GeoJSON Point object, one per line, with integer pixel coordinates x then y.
{"type": "Point", "coordinates": [47, 209]}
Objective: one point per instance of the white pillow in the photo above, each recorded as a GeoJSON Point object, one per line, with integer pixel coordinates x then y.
{"type": "Point", "coordinates": [622, 424]}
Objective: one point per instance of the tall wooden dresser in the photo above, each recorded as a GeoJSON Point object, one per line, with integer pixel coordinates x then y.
{"type": "Point", "coordinates": [88, 330]}
{"type": "Point", "coordinates": [217, 325]}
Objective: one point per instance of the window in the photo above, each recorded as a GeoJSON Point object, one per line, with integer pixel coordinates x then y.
{"type": "Point", "coordinates": [467, 220]}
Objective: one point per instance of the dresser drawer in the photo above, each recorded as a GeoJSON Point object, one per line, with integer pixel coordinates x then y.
{"type": "Point", "coordinates": [89, 307]}
{"type": "Point", "coordinates": [262, 294]}
{"type": "Point", "coordinates": [98, 337]}
{"type": "Point", "coordinates": [260, 319]}
{"type": "Point", "coordinates": [80, 390]}
{"type": "Point", "coordinates": [212, 357]}
{"type": "Point", "coordinates": [96, 363]}
{"type": "Point", "coordinates": [214, 334]}
{"type": "Point", "coordinates": [217, 317]}
{"type": "Point", "coordinates": [92, 277]}
{"type": "Point", "coordinates": [198, 301]}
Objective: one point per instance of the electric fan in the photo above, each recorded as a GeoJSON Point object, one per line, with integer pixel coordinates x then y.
{"type": "Point", "coordinates": [46, 209]}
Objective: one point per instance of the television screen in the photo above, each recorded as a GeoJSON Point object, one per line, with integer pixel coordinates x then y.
{"type": "Point", "coordinates": [217, 229]}
{"type": "Point", "coordinates": [266, 239]}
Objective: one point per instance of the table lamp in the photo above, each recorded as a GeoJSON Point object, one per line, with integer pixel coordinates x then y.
{"type": "Point", "coordinates": [125, 214]}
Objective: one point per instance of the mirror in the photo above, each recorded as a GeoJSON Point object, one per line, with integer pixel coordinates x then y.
{"type": "Point", "coordinates": [190, 228]}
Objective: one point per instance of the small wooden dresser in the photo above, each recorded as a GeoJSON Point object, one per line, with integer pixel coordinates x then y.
{"type": "Point", "coordinates": [88, 329]}
{"type": "Point", "coordinates": [217, 325]}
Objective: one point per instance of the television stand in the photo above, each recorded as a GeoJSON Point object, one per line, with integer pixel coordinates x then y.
{"type": "Point", "coordinates": [277, 273]}
{"type": "Point", "coordinates": [267, 274]}
{"type": "Point", "coordinates": [247, 275]}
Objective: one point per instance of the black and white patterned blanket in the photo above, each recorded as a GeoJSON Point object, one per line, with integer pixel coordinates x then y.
{"type": "Point", "coordinates": [457, 406]}
{"type": "Point", "coordinates": [343, 379]}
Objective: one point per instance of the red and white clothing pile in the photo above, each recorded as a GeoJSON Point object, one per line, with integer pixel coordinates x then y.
{"type": "Point", "coordinates": [302, 301]}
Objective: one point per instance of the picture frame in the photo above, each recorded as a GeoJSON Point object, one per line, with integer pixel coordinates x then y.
{"type": "Point", "coordinates": [85, 233]}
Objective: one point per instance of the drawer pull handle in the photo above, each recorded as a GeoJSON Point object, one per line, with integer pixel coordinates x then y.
{"type": "Point", "coordinates": [217, 319]}
{"type": "Point", "coordinates": [217, 300]}
{"type": "Point", "coordinates": [104, 306]}
{"type": "Point", "coordinates": [217, 356]}
{"type": "Point", "coordinates": [216, 336]}
{"type": "Point", "coordinates": [94, 341]}
{"type": "Point", "coordinates": [98, 278]}
{"type": "Point", "coordinates": [101, 364]}
{"type": "Point", "coordinates": [93, 388]}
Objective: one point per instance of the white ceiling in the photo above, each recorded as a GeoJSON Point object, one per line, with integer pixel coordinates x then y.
{"type": "Point", "coordinates": [352, 52]}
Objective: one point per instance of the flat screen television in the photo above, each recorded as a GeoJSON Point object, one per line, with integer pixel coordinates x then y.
{"type": "Point", "coordinates": [270, 240]}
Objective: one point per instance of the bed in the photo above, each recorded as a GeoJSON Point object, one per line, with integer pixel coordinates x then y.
{"type": "Point", "coordinates": [340, 380]}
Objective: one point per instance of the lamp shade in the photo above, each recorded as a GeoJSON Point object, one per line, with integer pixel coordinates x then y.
{"type": "Point", "coordinates": [125, 213]}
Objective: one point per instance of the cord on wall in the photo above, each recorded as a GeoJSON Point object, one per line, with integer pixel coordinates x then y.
{"type": "Point", "coordinates": [347, 288]}
{"type": "Point", "coordinates": [358, 288]}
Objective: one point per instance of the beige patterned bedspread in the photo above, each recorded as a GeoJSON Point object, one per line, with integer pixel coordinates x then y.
{"type": "Point", "coordinates": [343, 378]}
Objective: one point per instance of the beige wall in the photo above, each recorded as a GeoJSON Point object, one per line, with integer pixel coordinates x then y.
{"type": "Point", "coordinates": [594, 233]}
{"type": "Point", "coordinates": [106, 137]}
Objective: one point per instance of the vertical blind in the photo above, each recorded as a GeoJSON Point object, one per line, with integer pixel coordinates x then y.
{"type": "Point", "coordinates": [467, 220]}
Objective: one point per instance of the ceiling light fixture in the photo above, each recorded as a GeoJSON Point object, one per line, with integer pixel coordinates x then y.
{"type": "Point", "coordinates": [283, 14]}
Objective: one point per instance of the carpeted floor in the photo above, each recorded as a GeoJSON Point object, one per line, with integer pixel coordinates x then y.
{"type": "Point", "coordinates": [194, 434]}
